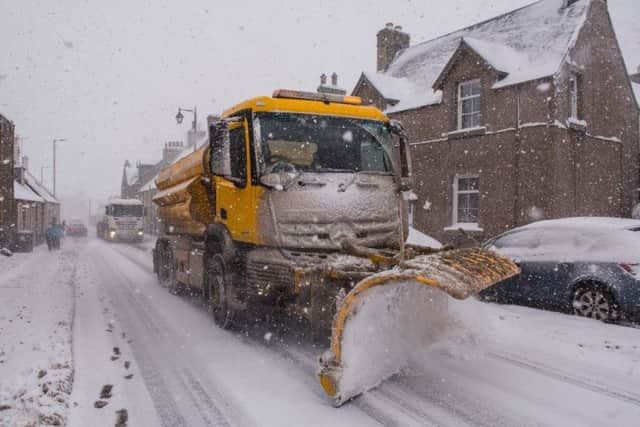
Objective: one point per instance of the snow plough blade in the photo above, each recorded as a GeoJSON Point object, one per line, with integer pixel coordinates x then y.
{"type": "Point", "coordinates": [387, 316]}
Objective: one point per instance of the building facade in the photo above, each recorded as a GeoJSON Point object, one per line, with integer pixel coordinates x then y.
{"type": "Point", "coordinates": [7, 205]}
{"type": "Point", "coordinates": [527, 116]}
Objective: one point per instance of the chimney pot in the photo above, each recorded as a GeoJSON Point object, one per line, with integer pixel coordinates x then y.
{"type": "Point", "coordinates": [323, 79]}
{"type": "Point", "coordinates": [389, 25]}
{"type": "Point", "coordinates": [398, 28]}
{"type": "Point", "coordinates": [334, 79]}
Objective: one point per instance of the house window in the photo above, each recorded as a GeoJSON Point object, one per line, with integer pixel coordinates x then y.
{"type": "Point", "coordinates": [469, 104]}
{"type": "Point", "coordinates": [466, 200]}
{"type": "Point", "coordinates": [574, 94]}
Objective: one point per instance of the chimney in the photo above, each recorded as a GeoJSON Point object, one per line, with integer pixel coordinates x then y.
{"type": "Point", "coordinates": [333, 89]}
{"type": "Point", "coordinates": [391, 40]}
{"type": "Point", "coordinates": [171, 151]}
{"type": "Point", "coordinates": [25, 162]}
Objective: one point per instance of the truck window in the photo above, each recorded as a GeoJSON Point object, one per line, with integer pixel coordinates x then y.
{"type": "Point", "coordinates": [238, 155]}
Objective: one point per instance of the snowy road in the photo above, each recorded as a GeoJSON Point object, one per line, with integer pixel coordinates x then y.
{"type": "Point", "coordinates": [169, 365]}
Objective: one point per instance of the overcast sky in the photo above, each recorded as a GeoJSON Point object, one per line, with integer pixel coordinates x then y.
{"type": "Point", "coordinates": [109, 75]}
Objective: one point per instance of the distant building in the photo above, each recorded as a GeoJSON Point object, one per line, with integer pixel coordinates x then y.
{"type": "Point", "coordinates": [139, 183]}
{"type": "Point", "coordinates": [35, 207]}
{"type": "Point", "coordinates": [7, 206]}
{"type": "Point", "coordinates": [525, 116]}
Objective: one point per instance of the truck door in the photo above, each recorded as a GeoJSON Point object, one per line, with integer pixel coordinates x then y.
{"type": "Point", "coordinates": [235, 200]}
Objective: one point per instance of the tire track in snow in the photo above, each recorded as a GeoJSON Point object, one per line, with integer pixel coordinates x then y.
{"type": "Point", "coordinates": [559, 375]}
{"type": "Point", "coordinates": [211, 402]}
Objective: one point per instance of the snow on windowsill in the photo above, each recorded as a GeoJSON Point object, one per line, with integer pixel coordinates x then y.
{"type": "Point", "coordinates": [466, 226]}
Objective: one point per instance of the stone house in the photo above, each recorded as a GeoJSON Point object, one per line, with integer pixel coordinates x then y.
{"type": "Point", "coordinates": [7, 207]}
{"type": "Point", "coordinates": [35, 208]}
{"type": "Point", "coordinates": [525, 116]}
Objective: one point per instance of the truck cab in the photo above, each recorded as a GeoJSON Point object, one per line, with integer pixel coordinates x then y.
{"type": "Point", "coordinates": [123, 220]}
{"type": "Point", "coordinates": [284, 182]}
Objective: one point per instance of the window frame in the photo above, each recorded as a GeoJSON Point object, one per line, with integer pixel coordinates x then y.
{"type": "Point", "coordinates": [457, 192]}
{"type": "Point", "coordinates": [462, 99]}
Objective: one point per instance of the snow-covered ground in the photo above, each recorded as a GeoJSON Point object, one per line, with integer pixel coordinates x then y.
{"type": "Point", "coordinates": [169, 365]}
{"type": "Point", "coordinates": [36, 314]}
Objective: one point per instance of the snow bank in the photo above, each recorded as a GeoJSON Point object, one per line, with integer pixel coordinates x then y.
{"type": "Point", "coordinates": [35, 338]}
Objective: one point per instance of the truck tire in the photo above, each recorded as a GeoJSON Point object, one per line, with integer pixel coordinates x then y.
{"type": "Point", "coordinates": [218, 282]}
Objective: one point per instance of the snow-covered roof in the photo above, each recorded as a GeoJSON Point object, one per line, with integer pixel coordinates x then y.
{"type": "Point", "coordinates": [525, 44]}
{"type": "Point", "coordinates": [23, 192]}
{"type": "Point", "coordinates": [126, 202]}
{"type": "Point", "coordinates": [40, 189]}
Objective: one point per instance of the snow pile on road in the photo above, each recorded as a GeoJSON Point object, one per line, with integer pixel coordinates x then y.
{"type": "Point", "coordinates": [390, 328]}
{"type": "Point", "coordinates": [35, 338]}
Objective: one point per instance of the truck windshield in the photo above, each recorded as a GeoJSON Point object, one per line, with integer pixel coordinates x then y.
{"type": "Point", "coordinates": [126, 210]}
{"type": "Point", "coordinates": [315, 143]}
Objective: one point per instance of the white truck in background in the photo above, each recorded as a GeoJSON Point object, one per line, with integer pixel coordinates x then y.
{"type": "Point", "coordinates": [123, 221]}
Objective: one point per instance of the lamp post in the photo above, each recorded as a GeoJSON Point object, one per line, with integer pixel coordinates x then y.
{"type": "Point", "coordinates": [194, 125]}
{"type": "Point", "coordinates": [54, 163]}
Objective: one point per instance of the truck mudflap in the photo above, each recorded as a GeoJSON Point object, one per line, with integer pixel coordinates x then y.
{"type": "Point", "coordinates": [387, 316]}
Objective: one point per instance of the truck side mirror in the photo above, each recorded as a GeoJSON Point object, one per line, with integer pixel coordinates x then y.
{"type": "Point", "coordinates": [404, 177]}
{"type": "Point", "coordinates": [219, 142]}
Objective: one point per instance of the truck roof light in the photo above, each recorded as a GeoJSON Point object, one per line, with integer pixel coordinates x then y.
{"type": "Point", "coordinates": [312, 96]}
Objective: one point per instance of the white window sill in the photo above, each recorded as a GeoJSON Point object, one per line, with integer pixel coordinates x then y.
{"type": "Point", "coordinates": [466, 226]}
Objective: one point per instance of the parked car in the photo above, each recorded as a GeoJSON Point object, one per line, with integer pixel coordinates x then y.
{"type": "Point", "coordinates": [588, 266]}
{"type": "Point", "coordinates": [76, 227]}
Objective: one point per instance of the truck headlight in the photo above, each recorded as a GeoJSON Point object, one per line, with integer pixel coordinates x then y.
{"type": "Point", "coordinates": [112, 234]}
{"type": "Point", "coordinates": [140, 232]}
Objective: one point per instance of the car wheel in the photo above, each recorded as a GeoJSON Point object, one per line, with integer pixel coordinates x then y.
{"type": "Point", "coordinates": [596, 303]}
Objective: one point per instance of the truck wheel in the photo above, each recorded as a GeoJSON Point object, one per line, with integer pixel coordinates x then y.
{"type": "Point", "coordinates": [217, 281]}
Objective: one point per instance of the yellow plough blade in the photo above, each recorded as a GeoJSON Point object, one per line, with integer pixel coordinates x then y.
{"type": "Point", "coordinates": [394, 303]}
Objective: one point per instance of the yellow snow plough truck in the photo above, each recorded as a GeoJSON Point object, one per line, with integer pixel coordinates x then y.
{"type": "Point", "coordinates": [296, 204]}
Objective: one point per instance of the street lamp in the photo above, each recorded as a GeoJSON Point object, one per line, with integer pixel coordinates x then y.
{"type": "Point", "coordinates": [180, 118]}
{"type": "Point", "coordinates": [54, 163]}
